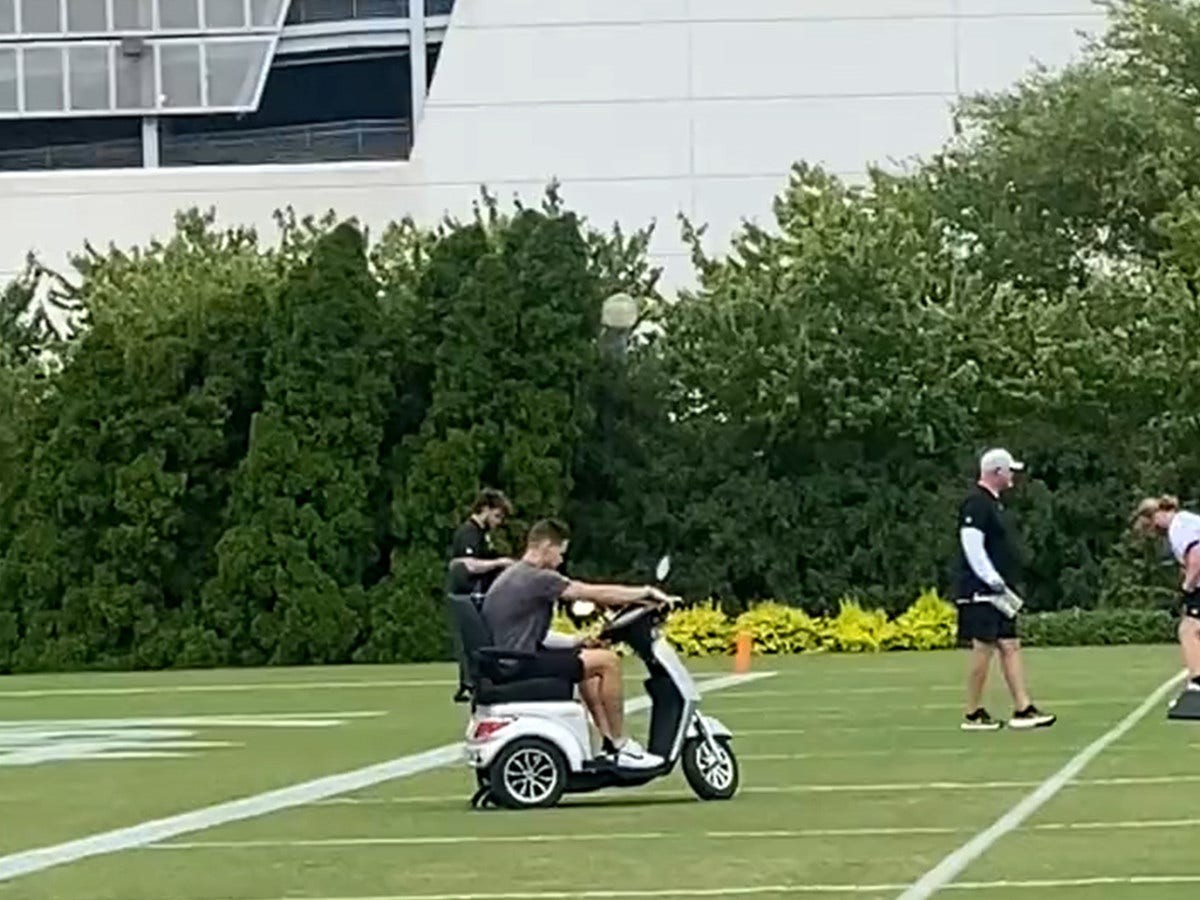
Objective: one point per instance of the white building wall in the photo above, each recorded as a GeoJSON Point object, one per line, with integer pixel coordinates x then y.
{"type": "Point", "coordinates": [642, 108]}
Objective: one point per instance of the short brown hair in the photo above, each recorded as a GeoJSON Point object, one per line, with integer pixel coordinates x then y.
{"type": "Point", "coordinates": [490, 498]}
{"type": "Point", "coordinates": [1147, 508]}
{"type": "Point", "coordinates": [548, 531]}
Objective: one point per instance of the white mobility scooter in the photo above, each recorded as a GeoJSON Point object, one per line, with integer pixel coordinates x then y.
{"type": "Point", "coordinates": [529, 740]}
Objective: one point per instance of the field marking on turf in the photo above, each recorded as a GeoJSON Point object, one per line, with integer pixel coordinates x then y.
{"type": "Point", "coordinates": [30, 742]}
{"type": "Point", "coordinates": [599, 837]}
{"type": "Point", "coordinates": [766, 889]}
{"type": "Point", "coordinates": [955, 863]}
{"type": "Point", "coordinates": [159, 830]}
{"type": "Point", "coordinates": [867, 788]}
{"type": "Point", "coordinates": [233, 688]}
{"type": "Point", "coordinates": [842, 713]}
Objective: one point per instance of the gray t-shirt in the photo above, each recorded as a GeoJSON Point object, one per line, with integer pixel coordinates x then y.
{"type": "Point", "coordinates": [519, 605]}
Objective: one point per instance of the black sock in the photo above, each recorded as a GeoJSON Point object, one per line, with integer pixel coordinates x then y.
{"type": "Point", "coordinates": [608, 746]}
{"type": "Point", "coordinates": [1196, 681]}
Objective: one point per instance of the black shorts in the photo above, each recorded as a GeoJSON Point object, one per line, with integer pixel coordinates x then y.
{"type": "Point", "coordinates": [560, 663]}
{"type": "Point", "coordinates": [980, 621]}
{"type": "Point", "coordinates": [1190, 608]}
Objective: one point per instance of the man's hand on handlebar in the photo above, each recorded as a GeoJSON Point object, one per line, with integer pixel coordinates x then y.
{"type": "Point", "coordinates": [661, 598]}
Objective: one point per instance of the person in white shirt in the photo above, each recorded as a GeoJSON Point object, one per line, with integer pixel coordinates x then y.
{"type": "Point", "coordinates": [1162, 516]}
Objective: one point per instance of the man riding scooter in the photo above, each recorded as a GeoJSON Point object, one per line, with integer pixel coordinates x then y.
{"type": "Point", "coordinates": [518, 608]}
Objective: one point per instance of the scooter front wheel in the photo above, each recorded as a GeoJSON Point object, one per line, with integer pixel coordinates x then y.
{"type": "Point", "coordinates": [529, 773]}
{"type": "Point", "coordinates": [712, 775]}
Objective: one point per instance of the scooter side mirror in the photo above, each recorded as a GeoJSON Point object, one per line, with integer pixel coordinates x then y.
{"type": "Point", "coordinates": [663, 569]}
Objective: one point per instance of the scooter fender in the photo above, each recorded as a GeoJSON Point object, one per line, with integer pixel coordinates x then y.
{"type": "Point", "coordinates": [712, 725]}
{"type": "Point", "coordinates": [482, 754]}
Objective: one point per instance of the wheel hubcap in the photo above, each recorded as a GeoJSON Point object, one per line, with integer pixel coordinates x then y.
{"type": "Point", "coordinates": [715, 767]}
{"type": "Point", "coordinates": [530, 775]}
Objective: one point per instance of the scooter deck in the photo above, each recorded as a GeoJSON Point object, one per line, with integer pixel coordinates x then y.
{"type": "Point", "coordinates": [1185, 707]}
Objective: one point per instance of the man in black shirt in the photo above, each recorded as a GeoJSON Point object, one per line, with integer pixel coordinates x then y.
{"type": "Point", "coordinates": [474, 563]}
{"type": "Point", "coordinates": [988, 569]}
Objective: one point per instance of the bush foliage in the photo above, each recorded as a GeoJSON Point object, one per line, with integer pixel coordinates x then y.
{"type": "Point", "coordinates": [929, 623]}
{"type": "Point", "coordinates": [254, 452]}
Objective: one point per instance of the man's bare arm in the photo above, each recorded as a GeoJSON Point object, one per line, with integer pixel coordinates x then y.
{"type": "Point", "coordinates": [610, 594]}
{"type": "Point", "coordinates": [476, 566]}
{"type": "Point", "coordinates": [1191, 571]}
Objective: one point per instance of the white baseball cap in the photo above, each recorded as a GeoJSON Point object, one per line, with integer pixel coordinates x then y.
{"type": "Point", "coordinates": [999, 458]}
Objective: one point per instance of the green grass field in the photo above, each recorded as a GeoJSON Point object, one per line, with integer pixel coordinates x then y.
{"type": "Point", "coordinates": [856, 781]}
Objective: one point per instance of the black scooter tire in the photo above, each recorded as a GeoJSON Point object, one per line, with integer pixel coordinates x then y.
{"type": "Point", "coordinates": [524, 752]}
{"type": "Point", "coordinates": [695, 773]}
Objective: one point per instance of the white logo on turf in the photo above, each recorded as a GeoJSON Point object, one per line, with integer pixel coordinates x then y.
{"type": "Point", "coordinates": [34, 741]}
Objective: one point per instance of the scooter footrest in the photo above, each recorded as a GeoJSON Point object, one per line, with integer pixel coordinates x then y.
{"type": "Point", "coordinates": [1186, 707]}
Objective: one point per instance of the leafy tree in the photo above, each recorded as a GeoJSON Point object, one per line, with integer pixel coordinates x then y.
{"type": "Point", "coordinates": [291, 563]}
{"type": "Point", "coordinates": [127, 457]}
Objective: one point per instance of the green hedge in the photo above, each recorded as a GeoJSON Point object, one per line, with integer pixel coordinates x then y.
{"type": "Point", "coordinates": [1094, 627]}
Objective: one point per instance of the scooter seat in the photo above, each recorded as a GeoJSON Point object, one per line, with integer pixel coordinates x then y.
{"type": "Point", "coordinates": [526, 690]}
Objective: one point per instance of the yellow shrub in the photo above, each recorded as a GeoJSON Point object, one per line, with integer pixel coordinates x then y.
{"type": "Point", "coordinates": [563, 624]}
{"type": "Point", "coordinates": [699, 631]}
{"type": "Point", "coordinates": [779, 628]}
{"type": "Point", "coordinates": [856, 630]}
{"type": "Point", "coordinates": [776, 628]}
{"type": "Point", "coordinates": [929, 624]}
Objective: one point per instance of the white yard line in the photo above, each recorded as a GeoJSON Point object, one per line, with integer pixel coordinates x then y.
{"type": "Point", "coordinates": [796, 889]}
{"type": "Point", "coordinates": [881, 787]}
{"type": "Point", "coordinates": [230, 720]}
{"type": "Point", "coordinates": [159, 830]}
{"type": "Point", "coordinates": [232, 688]}
{"type": "Point", "coordinates": [619, 836]}
{"type": "Point", "coordinates": [944, 873]}
{"type": "Point", "coordinates": [235, 688]}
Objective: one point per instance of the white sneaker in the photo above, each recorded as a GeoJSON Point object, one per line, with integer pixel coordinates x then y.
{"type": "Point", "coordinates": [632, 755]}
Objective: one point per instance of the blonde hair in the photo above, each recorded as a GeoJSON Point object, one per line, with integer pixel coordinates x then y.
{"type": "Point", "coordinates": [1147, 509]}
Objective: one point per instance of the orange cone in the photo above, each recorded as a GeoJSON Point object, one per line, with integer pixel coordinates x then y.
{"type": "Point", "coordinates": [741, 661]}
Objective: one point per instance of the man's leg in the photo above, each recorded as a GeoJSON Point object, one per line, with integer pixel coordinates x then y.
{"type": "Point", "coordinates": [590, 693]}
{"type": "Point", "coordinates": [1189, 645]}
{"type": "Point", "coordinates": [1025, 714]}
{"type": "Point", "coordinates": [1014, 672]}
{"type": "Point", "coordinates": [602, 669]}
{"type": "Point", "coordinates": [607, 667]}
{"type": "Point", "coordinates": [977, 672]}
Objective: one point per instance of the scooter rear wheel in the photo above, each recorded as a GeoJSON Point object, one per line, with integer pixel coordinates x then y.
{"type": "Point", "coordinates": [713, 776]}
{"type": "Point", "coordinates": [530, 773]}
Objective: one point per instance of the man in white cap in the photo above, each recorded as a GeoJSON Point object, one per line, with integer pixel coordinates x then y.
{"type": "Point", "coordinates": [987, 571]}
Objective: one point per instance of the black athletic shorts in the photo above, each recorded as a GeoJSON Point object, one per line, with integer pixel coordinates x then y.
{"type": "Point", "coordinates": [557, 662]}
{"type": "Point", "coordinates": [980, 621]}
{"type": "Point", "coordinates": [1190, 607]}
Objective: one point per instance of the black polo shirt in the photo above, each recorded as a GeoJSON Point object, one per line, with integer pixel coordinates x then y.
{"type": "Point", "coordinates": [470, 540]}
{"type": "Point", "coordinates": [983, 510]}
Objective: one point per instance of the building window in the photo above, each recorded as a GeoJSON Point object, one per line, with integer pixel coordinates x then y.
{"type": "Point", "coordinates": [133, 15]}
{"type": "Point", "coordinates": [8, 80]}
{"type": "Point", "coordinates": [180, 75]}
{"type": "Point", "coordinates": [43, 79]}
{"type": "Point", "coordinates": [87, 16]}
{"type": "Point", "coordinates": [178, 15]}
{"type": "Point", "coordinates": [89, 79]}
{"type": "Point", "coordinates": [40, 17]}
{"type": "Point", "coordinates": [224, 14]}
